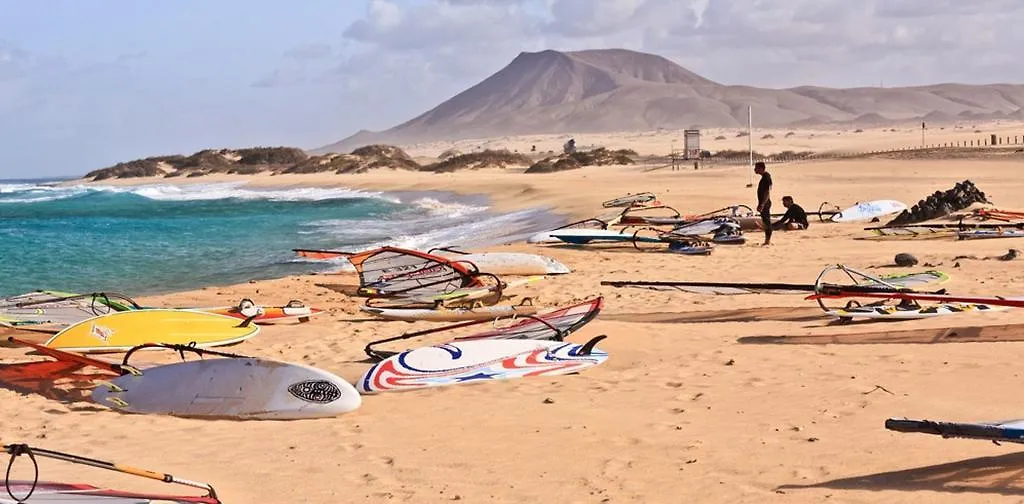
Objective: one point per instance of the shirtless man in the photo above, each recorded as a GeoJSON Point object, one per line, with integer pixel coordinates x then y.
{"type": "Point", "coordinates": [795, 217]}
{"type": "Point", "coordinates": [764, 201]}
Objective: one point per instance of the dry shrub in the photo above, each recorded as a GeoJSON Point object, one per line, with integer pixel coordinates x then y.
{"type": "Point", "coordinates": [476, 160]}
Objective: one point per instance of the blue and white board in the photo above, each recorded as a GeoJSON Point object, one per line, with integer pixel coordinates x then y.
{"type": "Point", "coordinates": [478, 360]}
{"type": "Point", "coordinates": [1007, 430]}
{"type": "Point", "coordinates": [583, 236]}
{"type": "Point", "coordinates": [235, 388]}
{"type": "Point", "coordinates": [869, 210]}
{"type": "Point", "coordinates": [981, 234]}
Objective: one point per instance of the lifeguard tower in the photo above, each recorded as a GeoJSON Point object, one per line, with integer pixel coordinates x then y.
{"type": "Point", "coordinates": [691, 144]}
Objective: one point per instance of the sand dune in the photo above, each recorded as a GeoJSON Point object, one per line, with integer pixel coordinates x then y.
{"type": "Point", "coordinates": [611, 90]}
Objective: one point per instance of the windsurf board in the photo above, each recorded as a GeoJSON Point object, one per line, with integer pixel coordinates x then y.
{"type": "Point", "coordinates": [478, 360]}
{"type": "Point", "coordinates": [247, 309]}
{"type": "Point", "coordinates": [450, 314]}
{"type": "Point", "coordinates": [508, 263]}
{"type": "Point", "coordinates": [982, 234]}
{"type": "Point", "coordinates": [120, 331]}
{"type": "Point", "coordinates": [237, 388]}
{"type": "Point", "coordinates": [869, 210]}
{"type": "Point", "coordinates": [893, 312]}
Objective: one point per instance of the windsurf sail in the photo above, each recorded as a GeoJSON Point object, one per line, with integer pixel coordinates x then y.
{"type": "Point", "coordinates": [908, 233]}
{"type": "Point", "coordinates": [729, 211]}
{"type": "Point", "coordinates": [996, 214]}
{"type": "Point", "coordinates": [483, 295]}
{"type": "Point", "coordinates": [85, 493]}
{"type": "Point", "coordinates": [393, 271]}
{"type": "Point", "coordinates": [630, 200]}
{"type": "Point", "coordinates": [82, 360]}
{"type": "Point", "coordinates": [863, 283]}
{"type": "Point", "coordinates": [702, 227]}
{"type": "Point", "coordinates": [1011, 431]}
{"type": "Point", "coordinates": [553, 325]}
{"type": "Point", "coordinates": [51, 307]}
{"type": "Point", "coordinates": [629, 216]}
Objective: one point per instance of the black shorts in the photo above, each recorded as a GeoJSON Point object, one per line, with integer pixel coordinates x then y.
{"type": "Point", "coordinates": [766, 215]}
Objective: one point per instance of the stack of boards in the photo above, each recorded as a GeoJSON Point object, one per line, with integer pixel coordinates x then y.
{"type": "Point", "coordinates": [240, 387]}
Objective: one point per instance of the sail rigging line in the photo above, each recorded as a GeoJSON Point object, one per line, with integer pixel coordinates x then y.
{"type": "Point", "coordinates": [21, 449]}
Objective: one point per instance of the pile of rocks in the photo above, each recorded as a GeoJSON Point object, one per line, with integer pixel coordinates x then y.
{"type": "Point", "coordinates": [941, 203]}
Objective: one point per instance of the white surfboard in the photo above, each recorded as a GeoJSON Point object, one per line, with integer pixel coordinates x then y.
{"type": "Point", "coordinates": [478, 360]}
{"type": "Point", "coordinates": [236, 388]}
{"type": "Point", "coordinates": [509, 263]}
{"type": "Point", "coordinates": [449, 314]}
{"type": "Point", "coordinates": [869, 210]}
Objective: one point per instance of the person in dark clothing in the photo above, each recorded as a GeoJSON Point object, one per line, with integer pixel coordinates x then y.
{"type": "Point", "coordinates": [795, 217]}
{"type": "Point", "coordinates": [764, 201]}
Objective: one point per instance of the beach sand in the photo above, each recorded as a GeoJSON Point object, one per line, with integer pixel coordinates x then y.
{"type": "Point", "coordinates": [693, 405]}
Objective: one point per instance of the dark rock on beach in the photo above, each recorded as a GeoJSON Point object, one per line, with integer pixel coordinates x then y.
{"type": "Point", "coordinates": [904, 259]}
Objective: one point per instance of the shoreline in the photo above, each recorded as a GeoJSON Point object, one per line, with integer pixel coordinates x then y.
{"type": "Point", "coordinates": [449, 207]}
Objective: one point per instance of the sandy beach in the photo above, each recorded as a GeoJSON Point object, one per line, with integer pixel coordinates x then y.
{"type": "Point", "coordinates": [695, 403]}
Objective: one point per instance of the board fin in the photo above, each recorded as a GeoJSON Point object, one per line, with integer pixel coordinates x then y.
{"type": "Point", "coordinates": [588, 347]}
{"type": "Point", "coordinates": [65, 356]}
{"type": "Point", "coordinates": [248, 320]}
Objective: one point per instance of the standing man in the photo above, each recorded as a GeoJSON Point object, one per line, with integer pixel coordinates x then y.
{"type": "Point", "coordinates": [764, 201]}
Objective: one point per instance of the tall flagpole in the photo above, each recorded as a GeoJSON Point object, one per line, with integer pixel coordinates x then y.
{"type": "Point", "coordinates": [750, 144]}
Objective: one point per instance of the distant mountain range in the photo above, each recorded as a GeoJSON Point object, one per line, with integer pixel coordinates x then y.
{"type": "Point", "coordinates": [552, 92]}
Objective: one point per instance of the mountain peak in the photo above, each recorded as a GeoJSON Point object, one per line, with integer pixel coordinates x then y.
{"type": "Point", "coordinates": [603, 90]}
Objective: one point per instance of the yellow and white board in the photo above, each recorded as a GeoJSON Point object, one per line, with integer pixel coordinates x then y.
{"type": "Point", "coordinates": [120, 331]}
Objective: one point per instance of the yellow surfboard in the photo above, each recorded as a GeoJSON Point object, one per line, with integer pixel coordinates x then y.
{"type": "Point", "coordinates": [120, 331]}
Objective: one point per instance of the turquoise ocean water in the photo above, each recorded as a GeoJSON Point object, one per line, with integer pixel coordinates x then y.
{"type": "Point", "coordinates": [164, 237]}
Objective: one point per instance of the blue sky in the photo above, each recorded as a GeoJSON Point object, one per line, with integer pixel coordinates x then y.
{"type": "Point", "coordinates": [87, 83]}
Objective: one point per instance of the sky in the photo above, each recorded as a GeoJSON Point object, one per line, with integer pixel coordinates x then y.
{"type": "Point", "coordinates": [86, 84]}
